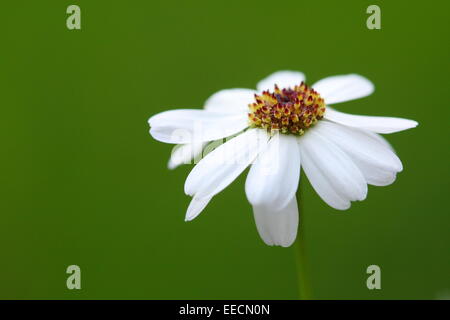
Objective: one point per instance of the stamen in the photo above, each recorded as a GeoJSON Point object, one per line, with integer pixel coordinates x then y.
{"type": "Point", "coordinates": [289, 111]}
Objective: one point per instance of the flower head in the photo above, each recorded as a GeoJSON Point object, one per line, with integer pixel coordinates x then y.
{"type": "Point", "coordinates": [282, 126]}
{"type": "Point", "coordinates": [286, 110]}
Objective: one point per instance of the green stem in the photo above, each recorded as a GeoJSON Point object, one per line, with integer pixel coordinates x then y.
{"type": "Point", "coordinates": [302, 263]}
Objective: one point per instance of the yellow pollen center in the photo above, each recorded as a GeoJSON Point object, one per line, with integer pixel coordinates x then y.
{"type": "Point", "coordinates": [286, 110]}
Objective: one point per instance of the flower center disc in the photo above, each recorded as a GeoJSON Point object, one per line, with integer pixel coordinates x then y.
{"type": "Point", "coordinates": [287, 110]}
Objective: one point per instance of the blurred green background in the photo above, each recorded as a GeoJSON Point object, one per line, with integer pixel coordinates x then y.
{"type": "Point", "coordinates": [84, 183]}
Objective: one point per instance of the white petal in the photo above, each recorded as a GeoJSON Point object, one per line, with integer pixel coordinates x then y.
{"type": "Point", "coordinates": [230, 101]}
{"type": "Point", "coordinates": [273, 178]}
{"type": "Point", "coordinates": [375, 175]}
{"type": "Point", "coordinates": [184, 154]}
{"type": "Point", "coordinates": [189, 125]}
{"type": "Point", "coordinates": [284, 79]}
{"type": "Point", "coordinates": [223, 165]}
{"type": "Point", "coordinates": [277, 227]}
{"type": "Point", "coordinates": [379, 138]}
{"type": "Point", "coordinates": [374, 124]}
{"type": "Point", "coordinates": [334, 176]}
{"type": "Point", "coordinates": [359, 144]}
{"type": "Point", "coordinates": [196, 207]}
{"type": "Point", "coordinates": [343, 88]}
{"type": "Point", "coordinates": [377, 162]}
{"type": "Point", "coordinates": [320, 183]}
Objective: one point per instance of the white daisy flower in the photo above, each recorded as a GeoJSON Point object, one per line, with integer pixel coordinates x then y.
{"type": "Point", "coordinates": [276, 129]}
